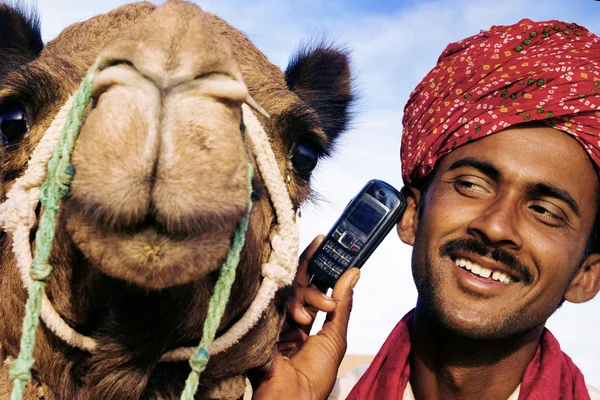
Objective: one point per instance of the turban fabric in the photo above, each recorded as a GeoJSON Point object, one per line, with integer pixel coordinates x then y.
{"type": "Point", "coordinates": [531, 71]}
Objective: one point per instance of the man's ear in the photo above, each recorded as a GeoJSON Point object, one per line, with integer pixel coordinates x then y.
{"type": "Point", "coordinates": [407, 227]}
{"type": "Point", "coordinates": [586, 283]}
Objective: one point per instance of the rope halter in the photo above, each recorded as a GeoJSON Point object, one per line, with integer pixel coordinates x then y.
{"type": "Point", "coordinates": [47, 179]}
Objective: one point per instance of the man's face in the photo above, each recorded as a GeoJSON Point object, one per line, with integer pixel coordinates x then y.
{"type": "Point", "coordinates": [502, 231]}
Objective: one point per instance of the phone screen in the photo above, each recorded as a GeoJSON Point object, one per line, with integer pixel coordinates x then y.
{"type": "Point", "coordinates": [364, 218]}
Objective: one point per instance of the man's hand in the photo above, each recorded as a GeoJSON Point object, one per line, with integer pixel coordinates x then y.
{"type": "Point", "coordinates": [311, 369]}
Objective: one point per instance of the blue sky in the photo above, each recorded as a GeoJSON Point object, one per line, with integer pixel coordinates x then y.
{"type": "Point", "coordinates": [394, 44]}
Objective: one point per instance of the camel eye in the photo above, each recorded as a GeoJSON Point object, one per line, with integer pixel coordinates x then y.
{"type": "Point", "coordinates": [13, 125]}
{"type": "Point", "coordinates": [304, 159]}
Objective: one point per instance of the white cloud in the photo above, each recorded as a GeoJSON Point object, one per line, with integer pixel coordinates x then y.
{"type": "Point", "coordinates": [392, 52]}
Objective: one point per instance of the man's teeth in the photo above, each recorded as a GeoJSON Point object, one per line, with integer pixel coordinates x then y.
{"type": "Point", "coordinates": [482, 271]}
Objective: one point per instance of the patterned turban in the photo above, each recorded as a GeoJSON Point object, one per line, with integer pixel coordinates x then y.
{"type": "Point", "coordinates": [531, 71]}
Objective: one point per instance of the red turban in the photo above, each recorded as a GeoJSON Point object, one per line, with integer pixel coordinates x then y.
{"type": "Point", "coordinates": [508, 75]}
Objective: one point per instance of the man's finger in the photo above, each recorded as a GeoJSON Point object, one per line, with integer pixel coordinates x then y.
{"type": "Point", "coordinates": [327, 348]}
{"type": "Point", "coordinates": [297, 312]}
{"type": "Point", "coordinates": [304, 304]}
{"type": "Point", "coordinates": [292, 335]}
{"type": "Point", "coordinates": [288, 348]}
{"type": "Point", "coordinates": [302, 276]}
{"type": "Point", "coordinates": [337, 321]}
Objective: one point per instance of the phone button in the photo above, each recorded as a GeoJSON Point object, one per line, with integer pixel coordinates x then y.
{"type": "Point", "coordinates": [339, 250]}
{"type": "Point", "coordinates": [320, 261]}
{"type": "Point", "coordinates": [347, 240]}
{"type": "Point", "coordinates": [330, 248]}
{"type": "Point", "coordinates": [355, 249]}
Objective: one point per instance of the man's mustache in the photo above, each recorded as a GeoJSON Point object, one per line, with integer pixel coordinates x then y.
{"type": "Point", "coordinates": [497, 254]}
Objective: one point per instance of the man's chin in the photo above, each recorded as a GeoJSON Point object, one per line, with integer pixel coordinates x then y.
{"type": "Point", "coordinates": [468, 323]}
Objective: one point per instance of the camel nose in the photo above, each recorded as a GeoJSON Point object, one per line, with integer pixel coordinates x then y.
{"type": "Point", "coordinates": [164, 130]}
{"type": "Point", "coordinates": [175, 44]}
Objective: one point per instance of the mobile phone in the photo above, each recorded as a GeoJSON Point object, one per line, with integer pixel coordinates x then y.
{"type": "Point", "coordinates": [365, 222]}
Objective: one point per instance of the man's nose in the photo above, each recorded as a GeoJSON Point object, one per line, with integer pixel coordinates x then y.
{"type": "Point", "coordinates": [498, 224]}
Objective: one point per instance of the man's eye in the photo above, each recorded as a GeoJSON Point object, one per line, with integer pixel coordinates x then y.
{"type": "Point", "coordinates": [469, 187]}
{"type": "Point", "coordinates": [546, 215]}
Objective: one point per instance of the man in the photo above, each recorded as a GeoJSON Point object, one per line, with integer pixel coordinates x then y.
{"type": "Point", "coordinates": [500, 156]}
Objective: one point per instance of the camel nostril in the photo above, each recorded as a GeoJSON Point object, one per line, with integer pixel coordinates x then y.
{"type": "Point", "coordinates": [111, 62]}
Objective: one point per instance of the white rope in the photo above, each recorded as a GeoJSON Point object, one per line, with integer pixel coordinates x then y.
{"type": "Point", "coordinates": [280, 270]}
{"type": "Point", "coordinates": [17, 216]}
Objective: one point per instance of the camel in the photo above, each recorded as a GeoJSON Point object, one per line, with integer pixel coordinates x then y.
{"type": "Point", "coordinates": [160, 185]}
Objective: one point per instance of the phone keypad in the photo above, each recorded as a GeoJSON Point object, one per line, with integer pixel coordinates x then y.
{"type": "Point", "coordinates": [338, 252]}
{"type": "Point", "coordinates": [328, 266]}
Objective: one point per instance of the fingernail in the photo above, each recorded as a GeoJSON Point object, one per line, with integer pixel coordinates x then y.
{"type": "Point", "coordinates": [306, 314]}
{"type": "Point", "coordinates": [326, 297]}
{"type": "Point", "coordinates": [356, 278]}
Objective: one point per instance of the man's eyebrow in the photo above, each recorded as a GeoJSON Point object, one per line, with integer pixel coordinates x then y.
{"type": "Point", "coordinates": [540, 189]}
{"type": "Point", "coordinates": [549, 190]}
{"type": "Point", "coordinates": [483, 166]}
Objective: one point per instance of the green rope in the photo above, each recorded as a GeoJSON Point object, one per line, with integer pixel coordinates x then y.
{"type": "Point", "coordinates": [218, 301]}
{"type": "Point", "coordinates": [56, 186]}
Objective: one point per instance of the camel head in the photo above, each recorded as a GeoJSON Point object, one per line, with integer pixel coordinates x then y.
{"type": "Point", "coordinates": [160, 184]}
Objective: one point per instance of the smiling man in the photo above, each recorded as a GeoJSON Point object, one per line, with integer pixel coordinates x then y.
{"type": "Point", "coordinates": [500, 156]}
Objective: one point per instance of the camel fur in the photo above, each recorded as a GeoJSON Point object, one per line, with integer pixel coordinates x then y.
{"type": "Point", "coordinates": [160, 186]}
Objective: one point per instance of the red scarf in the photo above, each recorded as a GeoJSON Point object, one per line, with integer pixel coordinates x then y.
{"type": "Point", "coordinates": [550, 375]}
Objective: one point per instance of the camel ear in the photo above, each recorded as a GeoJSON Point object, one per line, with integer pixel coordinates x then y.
{"type": "Point", "coordinates": [20, 37]}
{"type": "Point", "coordinates": [320, 76]}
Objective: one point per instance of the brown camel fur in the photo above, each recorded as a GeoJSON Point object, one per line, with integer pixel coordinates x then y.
{"type": "Point", "coordinates": [159, 189]}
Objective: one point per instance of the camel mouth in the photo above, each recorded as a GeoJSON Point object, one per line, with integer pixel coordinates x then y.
{"type": "Point", "coordinates": [175, 227]}
{"type": "Point", "coordinates": [152, 254]}
{"type": "Point", "coordinates": [184, 228]}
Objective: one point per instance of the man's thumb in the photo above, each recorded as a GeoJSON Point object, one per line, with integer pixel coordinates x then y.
{"type": "Point", "coordinates": [320, 357]}
{"type": "Point", "coordinates": [342, 294]}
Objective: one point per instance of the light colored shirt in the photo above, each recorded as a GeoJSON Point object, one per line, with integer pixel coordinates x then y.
{"type": "Point", "coordinates": [345, 383]}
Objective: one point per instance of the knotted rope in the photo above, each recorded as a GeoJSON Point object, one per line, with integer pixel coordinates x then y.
{"type": "Point", "coordinates": [218, 301]}
{"type": "Point", "coordinates": [56, 186]}
{"type": "Point", "coordinates": [17, 216]}
{"type": "Point", "coordinates": [280, 270]}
